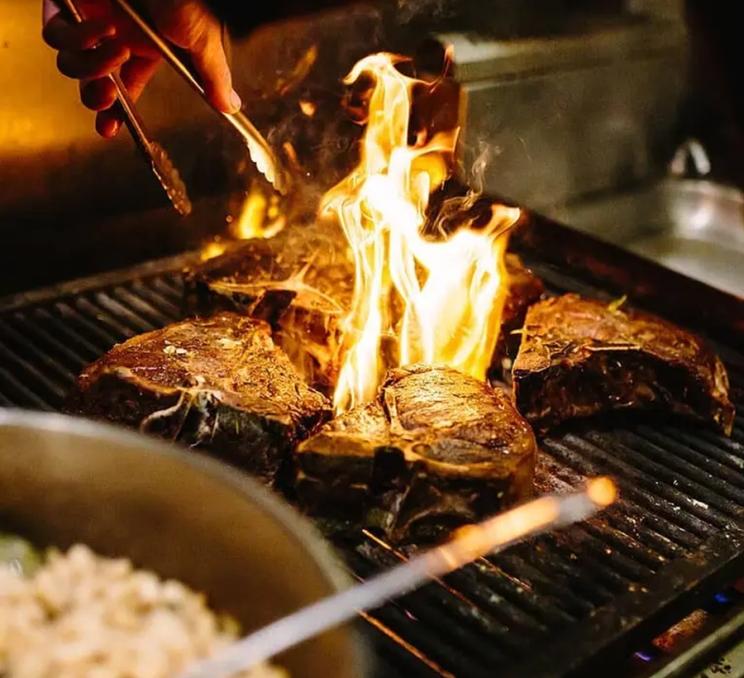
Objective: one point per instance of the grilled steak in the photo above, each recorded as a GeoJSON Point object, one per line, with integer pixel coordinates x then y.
{"type": "Point", "coordinates": [525, 289]}
{"type": "Point", "coordinates": [300, 282]}
{"type": "Point", "coordinates": [436, 449]}
{"type": "Point", "coordinates": [219, 383]}
{"type": "Point", "coordinates": [580, 357]}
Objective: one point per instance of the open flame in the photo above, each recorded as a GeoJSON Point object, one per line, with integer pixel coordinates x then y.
{"type": "Point", "coordinates": [260, 217]}
{"type": "Point", "coordinates": [416, 299]}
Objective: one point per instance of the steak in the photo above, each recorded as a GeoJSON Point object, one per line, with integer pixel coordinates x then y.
{"type": "Point", "coordinates": [436, 449]}
{"type": "Point", "coordinates": [581, 357]}
{"type": "Point", "coordinates": [525, 289]}
{"type": "Point", "coordinates": [219, 384]}
{"type": "Point", "coordinates": [299, 281]}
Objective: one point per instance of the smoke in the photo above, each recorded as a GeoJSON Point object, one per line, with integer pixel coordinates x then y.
{"type": "Point", "coordinates": [410, 10]}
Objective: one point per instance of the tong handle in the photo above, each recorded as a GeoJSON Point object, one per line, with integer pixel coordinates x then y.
{"type": "Point", "coordinates": [131, 116]}
{"type": "Point", "coordinates": [161, 165]}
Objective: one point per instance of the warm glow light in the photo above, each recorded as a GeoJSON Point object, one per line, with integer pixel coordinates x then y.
{"type": "Point", "coordinates": [602, 491]}
{"type": "Point", "coordinates": [259, 218]}
{"type": "Point", "coordinates": [434, 301]}
{"type": "Point", "coordinates": [308, 108]}
{"type": "Point", "coordinates": [212, 249]}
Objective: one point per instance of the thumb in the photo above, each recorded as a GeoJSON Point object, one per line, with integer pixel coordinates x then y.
{"type": "Point", "coordinates": [210, 61]}
{"type": "Point", "coordinates": [191, 26]}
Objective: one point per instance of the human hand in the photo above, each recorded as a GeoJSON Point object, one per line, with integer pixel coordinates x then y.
{"type": "Point", "coordinates": [107, 41]}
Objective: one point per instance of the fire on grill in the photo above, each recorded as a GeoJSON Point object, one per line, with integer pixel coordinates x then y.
{"type": "Point", "coordinates": [393, 316]}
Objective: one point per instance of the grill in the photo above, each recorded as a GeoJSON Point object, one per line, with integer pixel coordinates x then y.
{"type": "Point", "coordinates": [583, 596]}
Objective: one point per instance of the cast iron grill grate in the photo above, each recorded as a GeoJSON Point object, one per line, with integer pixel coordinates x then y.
{"type": "Point", "coordinates": [579, 596]}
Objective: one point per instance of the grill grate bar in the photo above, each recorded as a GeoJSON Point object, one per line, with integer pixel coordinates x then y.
{"type": "Point", "coordinates": [644, 515]}
{"type": "Point", "coordinates": [451, 609]}
{"type": "Point", "coordinates": [144, 308]}
{"type": "Point", "coordinates": [158, 300]}
{"type": "Point", "coordinates": [74, 360]}
{"type": "Point", "coordinates": [133, 319]}
{"type": "Point", "coordinates": [570, 573]}
{"type": "Point", "coordinates": [486, 576]}
{"type": "Point", "coordinates": [170, 286]}
{"type": "Point", "coordinates": [622, 542]}
{"type": "Point", "coordinates": [59, 327]}
{"type": "Point", "coordinates": [619, 531]}
{"type": "Point", "coordinates": [546, 584]}
{"type": "Point", "coordinates": [706, 453]}
{"type": "Point", "coordinates": [27, 350]}
{"type": "Point", "coordinates": [594, 562]}
{"type": "Point", "coordinates": [716, 477]}
{"type": "Point", "coordinates": [632, 561]}
{"type": "Point", "coordinates": [46, 387]}
{"type": "Point", "coordinates": [687, 491]}
{"type": "Point", "coordinates": [93, 312]}
{"type": "Point", "coordinates": [80, 320]}
{"type": "Point", "coordinates": [644, 488]}
{"type": "Point", "coordinates": [477, 597]}
{"type": "Point", "coordinates": [23, 396]}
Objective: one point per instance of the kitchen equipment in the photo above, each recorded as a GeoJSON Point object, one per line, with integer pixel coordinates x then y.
{"type": "Point", "coordinates": [259, 150]}
{"type": "Point", "coordinates": [162, 166]}
{"type": "Point", "coordinates": [64, 481]}
{"type": "Point", "coordinates": [693, 226]}
{"type": "Point", "coordinates": [586, 597]}
{"type": "Point", "coordinates": [491, 536]}
{"type": "Point", "coordinates": [589, 109]}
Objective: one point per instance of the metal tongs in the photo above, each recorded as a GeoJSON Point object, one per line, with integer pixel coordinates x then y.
{"type": "Point", "coordinates": [258, 148]}
{"type": "Point", "coordinates": [161, 164]}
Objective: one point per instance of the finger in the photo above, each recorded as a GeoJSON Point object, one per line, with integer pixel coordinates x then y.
{"type": "Point", "coordinates": [109, 122]}
{"type": "Point", "coordinates": [210, 62]}
{"type": "Point", "coordinates": [137, 72]}
{"type": "Point", "coordinates": [92, 63]}
{"type": "Point", "coordinates": [61, 34]}
{"type": "Point", "coordinates": [192, 27]}
{"type": "Point", "coordinates": [98, 95]}
{"type": "Point", "coordinates": [49, 10]}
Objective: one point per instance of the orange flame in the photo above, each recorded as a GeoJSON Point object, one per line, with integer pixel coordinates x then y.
{"type": "Point", "coordinates": [441, 301]}
{"type": "Point", "coordinates": [260, 217]}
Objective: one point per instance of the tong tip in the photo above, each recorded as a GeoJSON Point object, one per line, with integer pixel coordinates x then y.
{"type": "Point", "coordinates": [170, 179]}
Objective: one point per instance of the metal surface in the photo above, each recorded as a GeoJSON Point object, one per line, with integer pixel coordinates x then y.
{"type": "Point", "coordinates": [695, 227]}
{"type": "Point", "coordinates": [584, 597]}
{"type": "Point", "coordinates": [181, 515]}
{"type": "Point", "coordinates": [259, 150]}
{"type": "Point", "coordinates": [710, 651]}
{"type": "Point", "coordinates": [565, 116]}
{"type": "Point", "coordinates": [487, 538]}
{"type": "Point", "coordinates": [161, 165]}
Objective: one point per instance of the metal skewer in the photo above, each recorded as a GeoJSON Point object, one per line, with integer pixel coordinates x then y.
{"type": "Point", "coordinates": [161, 164]}
{"type": "Point", "coordinates": [258, 148]}
{"type": "Point", "coordinates": [468, 544]}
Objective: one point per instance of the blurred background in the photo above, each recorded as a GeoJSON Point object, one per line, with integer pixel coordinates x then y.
{"type": "Point", "coordinates": [618, 117]}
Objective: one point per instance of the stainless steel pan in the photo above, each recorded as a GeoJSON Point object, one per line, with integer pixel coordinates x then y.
{"type": "Point", "coordinates": [64, 480]}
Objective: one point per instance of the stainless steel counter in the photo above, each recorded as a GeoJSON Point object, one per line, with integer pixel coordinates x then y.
{"type": "Point", "coordinates": [695, 227]}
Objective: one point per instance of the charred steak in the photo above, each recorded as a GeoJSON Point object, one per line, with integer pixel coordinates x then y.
{"type": "Point", "coordinates": [580, 357]}
{"type": "Point", "coordinates": [219, 383]}
{"type": "Point", "coordinates": [299, 281]}
{"type": "Point", "coordinates": [436, 449]}
{"type": "Point", "coordinates": [525, 289]}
